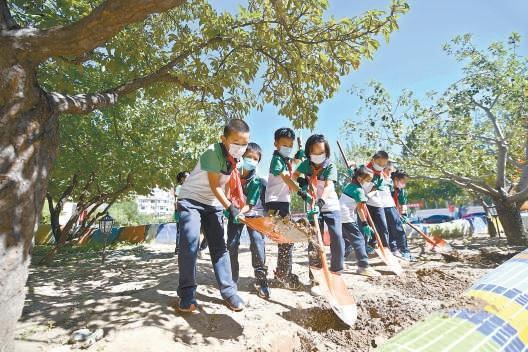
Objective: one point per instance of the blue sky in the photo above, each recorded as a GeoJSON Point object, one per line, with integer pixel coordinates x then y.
{"type": "Point", "coordinates": [413, 59]}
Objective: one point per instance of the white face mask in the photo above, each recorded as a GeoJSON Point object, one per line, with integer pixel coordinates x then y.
{"type": "Point", "coordinates": [367, 187]}
{"type": "Point", "coordinates": [237, 150]}
{"type": "Point", "coordinates": [377, 167]}
{"type": "Point", "coordinates": [317, 159]}
{"type": "Point", "coordinates": [285, 151]}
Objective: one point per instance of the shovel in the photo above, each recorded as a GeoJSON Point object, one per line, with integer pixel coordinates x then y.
{"type": "Point", "coordinates": [384, 253]}
{"type": "Point", "coordinates": [437, 244]}
{"type": "Point", "coordinates": [277, 229]}
{"type": "Point", "coordinates": [333, 286]}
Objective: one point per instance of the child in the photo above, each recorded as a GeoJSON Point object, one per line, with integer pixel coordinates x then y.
{"type": "Point", "coordinates": [252, 188]}
{"type": "Point", "coordinates": [353, 201]}
{"type": "Point", "coordinates": [278, 199]}
{"type": "Point", "coordinates": [397, 215]}
{"type": "Point", "coordinates": [201, 202]}
{"type": "Point", "coordinates": [180, 179]}
{"type": "Point", "coordinates": [375, 193]}
{"type": "Point", "coordinates": [320, 174]}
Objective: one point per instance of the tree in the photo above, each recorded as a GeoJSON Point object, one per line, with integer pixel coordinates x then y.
{"type": "Point", "coordinates": [151, 47]}
{"type": "Point", "coordinates": [102, 161]}
{"type": "Point", "coordinates": [474, 135]}
{"type": "Point", "coordinates": [437, 192]}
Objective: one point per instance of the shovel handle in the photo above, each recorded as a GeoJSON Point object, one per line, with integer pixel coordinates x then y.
{"type": "Point", "coordinates": [343, 154]}
{"type": "Point", "coordinates": [376, 234]}
{"type": "Point", "coordinates": [421, 233]}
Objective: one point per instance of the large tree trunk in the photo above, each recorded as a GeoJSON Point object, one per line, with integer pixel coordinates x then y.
{"type": "Point", "coordinates": [28, 145]}
{"type": "Point", "coordinates": [510, 218]}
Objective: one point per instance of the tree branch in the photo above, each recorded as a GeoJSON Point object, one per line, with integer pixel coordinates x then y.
{"type": "Point", "coordinates": [519, 197]}
{"type": "Point", "coordinates": [99, 26]}
{"type": "Point", "coordinates": [85, 103]}
{"type": "Point", "coordinates": [6, 20]}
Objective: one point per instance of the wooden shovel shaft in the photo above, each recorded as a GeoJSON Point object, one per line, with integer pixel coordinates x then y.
{"type": "Point", "coordinates": [376, 234]}
{"type": "Point", "coordinates": [420, 232]}
{"type": "Point", "coordinates": [322, 256]}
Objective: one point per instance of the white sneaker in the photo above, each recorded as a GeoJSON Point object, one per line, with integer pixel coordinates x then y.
{"type": "Point", "coordinates": [368, 271]}
{"type": "Point", "coordinates": [316, 291]}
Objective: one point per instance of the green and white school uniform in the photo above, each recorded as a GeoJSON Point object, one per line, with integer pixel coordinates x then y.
{"type": "Point", "coordinates": [252, 188]}
{"type": "Point", "coordinates": [176, 212]}
{"type": "Point", "coordinates": [352, 195]}
{"type": "Point", "coordinates": [196, 186]}
{"type": "Point", "coordinates": [381, 197]}
{"type": "Point", "coordinates": [328, 173]}
{"type": "Point", "coordinates": [277, 190]}
{"type": "Point", "coordinates": [386, 193]}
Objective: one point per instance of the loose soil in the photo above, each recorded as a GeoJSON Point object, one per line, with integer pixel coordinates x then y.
{"type": "Point", "coordinates": [132, 297]}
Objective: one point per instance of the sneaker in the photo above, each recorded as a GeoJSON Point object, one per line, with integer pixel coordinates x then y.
{"type": "Point", "coordinates": [263, 291]}
{"type": "Point", "coordinates": [370, 250]}
{"type": "Point", "coordinates": [291, 281]}
{"type": "Point", "coordinates": [262, 287]}
{"type": "Point", "coordinates": [368, 271]}
{"type": "Point", "coordinates": [187, 305]}
{"type": "Point", "coordinates": [397, 254]}
{"type": "Point", "coordinates": [235, 303]}
{"type": "Point", "coordinates": [315, 290]}
{"type": "Point", "coordinates": [408, 257]}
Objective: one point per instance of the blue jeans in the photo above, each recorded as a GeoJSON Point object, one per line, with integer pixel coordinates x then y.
{"type": "Point", "coordinates": [284, 257]}
{"type": "Point", "coordinates": [397, 236]}
{"type": "Point", "coordinates": [380, 221]}
{"type": "Point", "coordinates": [355, 240]}
{"type": "Point", "coordinates": [256, 245]}
{"type": "Point", "coordinates": [337, 245]}
{"type": "Point", "coordinates": [193, 214]}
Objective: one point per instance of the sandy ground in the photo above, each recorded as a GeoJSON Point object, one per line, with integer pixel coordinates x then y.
{"type": "Point", "coordinates": [132, 297]}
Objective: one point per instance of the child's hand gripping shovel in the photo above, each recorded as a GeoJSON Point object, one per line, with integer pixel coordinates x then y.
{"type": "Point", "coordinates": [437, 244]}
{"type": "Point", "coordinates": [384, 253]}
{"type": "Point", "coordinates": [333, 287]}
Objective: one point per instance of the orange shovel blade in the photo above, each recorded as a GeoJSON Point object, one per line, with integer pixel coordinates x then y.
{"type": "Point", "coordinates": [435, 243]}
{"type": "Point", "coordinates": [276, 231]}
{"type": "Point", "coordinates": [336, 293]}
{"type": "Point", "coordinates": [386, 256]}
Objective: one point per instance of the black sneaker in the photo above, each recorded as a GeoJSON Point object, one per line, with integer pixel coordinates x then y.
{"type": "Point", "coordinates": [263, 290]}
{"type": "Point", "coordinates": [235, 303]}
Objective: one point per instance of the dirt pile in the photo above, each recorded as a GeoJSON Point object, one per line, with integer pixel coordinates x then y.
{"type": "Point", "coordinates": [408, 298]}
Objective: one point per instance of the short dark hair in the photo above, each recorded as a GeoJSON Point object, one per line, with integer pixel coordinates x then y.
{"type": "Point", "coordinates": [362, 171]}
{"type": "Point", "coordinates": [254, 147]}
{"type": "Point", "coordinates": [313, 139]}
{"type": "Point", "coordinates": [381, 154]}
{"type": "Point", "coordinates": [237, 125]}
{"type": "Point", "coordinates": [181, 175]}
{"type": "Point", "coordinates": [284, 132]}
{"type": "Point", "coordinates": [399, 174]}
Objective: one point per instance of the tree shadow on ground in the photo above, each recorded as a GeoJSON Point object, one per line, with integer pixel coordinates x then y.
{"type": "Point", "coordinates": [137, 286]}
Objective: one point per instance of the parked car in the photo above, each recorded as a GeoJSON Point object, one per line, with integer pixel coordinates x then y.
{"type": "Point", "coordinates": [437, 219]}
{"type": "Point", "coordinates": [474, 215]}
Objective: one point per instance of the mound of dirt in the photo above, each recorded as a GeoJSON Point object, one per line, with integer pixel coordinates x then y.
{"type": "Point", "coordinates": [409, 298]}
{"type": "Point", "coordinates": [426, 284]}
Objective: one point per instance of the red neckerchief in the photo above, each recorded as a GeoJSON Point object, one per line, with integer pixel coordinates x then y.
{"type": "Point", "coordinates": [313, 181]}
{"type": "Point", "coordinates": [395, 197]}
{"type": "Point", "coordinates": [235, 184]}
{"type": "Point", "coordinates": [290, 167]}
{"type": "Point", "coordinates": [369, 165]}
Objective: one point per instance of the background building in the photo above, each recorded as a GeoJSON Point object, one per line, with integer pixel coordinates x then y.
{"type": "Point", "coordinates": [158, 203]}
